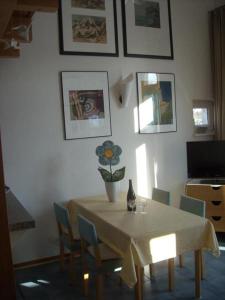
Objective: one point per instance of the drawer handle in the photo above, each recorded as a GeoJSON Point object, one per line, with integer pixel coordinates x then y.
{"type": "Point", "coordinates": [216, 218]}
{"type": "Point", "coordinates": [215, 187]}
{"type": "Point", "coordinates": [216, 203]}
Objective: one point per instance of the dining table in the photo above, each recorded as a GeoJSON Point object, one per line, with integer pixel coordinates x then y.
{"type": "Point", "coordinates": [158, 233]}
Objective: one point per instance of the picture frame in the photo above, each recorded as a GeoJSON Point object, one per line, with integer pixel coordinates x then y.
{"type": "Point", "coordinates": [156, 102]}
{"type": "Point", "coordinates": [86, 104]}
{"type": "Point", "coordinates": [147, 29]}
{"type": "Point", "coordinates": [88, 27]}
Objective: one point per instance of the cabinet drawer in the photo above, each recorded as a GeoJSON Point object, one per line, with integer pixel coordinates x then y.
{"type": "Point", "coordinates": [215, 208]}
{"type": "Point", "coordinates": [218, 222]}
{"type": "Point", "coordinates": [206, 192]}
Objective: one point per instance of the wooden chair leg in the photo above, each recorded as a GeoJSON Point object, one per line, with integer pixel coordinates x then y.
{"type": "Point", "coordinates": [99, 287]}
{"type": "Point", "coordinates": [85, 283]}
{"type": "Point", "coordinates": [120, 282]}
{"type": "Point", "coordinates": [84, 269]}
{"type": "Point", "coordinates": [61, 256]}
{"type": "Point", "coordinates": [202, 264]}
{"type": "Point", "coordinates": [151, 270]}
{"type": "Point", "coordinates": [181, 261]}
{"type": "Point", "coordinates": [171, 274]}
{"type": "Point", "coordinates": [72, 268]}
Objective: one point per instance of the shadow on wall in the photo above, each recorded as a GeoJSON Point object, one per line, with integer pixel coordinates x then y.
{"type": "Point", "coordinates": [42, 241]}
{"type": "Point", "coordinates": [52, 192]}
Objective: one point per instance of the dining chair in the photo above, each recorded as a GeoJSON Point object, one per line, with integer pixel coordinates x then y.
{"type": "Point", "coordinates": [161, 196]}
{"type": "Point", "coordinates": [197, 207]}
{"type": "Point", "coordinates": [164, 198]}
{"type": "Point", "coordinates": [68, 236]}
{"type": "Point", "coordinates": [97, 257]}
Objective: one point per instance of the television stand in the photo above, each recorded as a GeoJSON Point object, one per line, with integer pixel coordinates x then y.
{"type": "Point", "coordinates": [213, 181]}
{"type": "Point", "coordinates": [212, 191]}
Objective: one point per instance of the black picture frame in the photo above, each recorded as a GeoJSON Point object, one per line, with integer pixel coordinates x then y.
{"type": "Point", "coordinates": [88, 49]}
{"type": "Point", "coordinates": [156, 95]}
{"type": "Point", "coordinates": [140, 32]}
{"type": "Point", "coordinates": [88, 114]}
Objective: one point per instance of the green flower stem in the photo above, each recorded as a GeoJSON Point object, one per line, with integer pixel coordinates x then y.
{"type": "Point", "coordinates": [110, 166]}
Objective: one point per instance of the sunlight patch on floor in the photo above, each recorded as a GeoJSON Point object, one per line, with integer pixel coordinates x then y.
{"type": "Point", "coordinates": [43, 281]}
{"type": "Point", "coordinates": [30, 284]}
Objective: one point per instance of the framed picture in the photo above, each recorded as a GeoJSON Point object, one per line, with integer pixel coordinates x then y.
{"type": "Point", "coordinates": [86, 104]}
{"type": "Point", "coordinates": [156, 102]}
{"type": "Point", "coordinates": [88, 27]}
{"type": "Point", "coordinates": [147, 30]}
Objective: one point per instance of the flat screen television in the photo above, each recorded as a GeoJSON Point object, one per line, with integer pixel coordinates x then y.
{"type": "Point", "coordinates": [206, 159]}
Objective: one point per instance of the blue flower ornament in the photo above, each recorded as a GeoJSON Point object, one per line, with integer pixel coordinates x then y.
{"type": "Point", "coordinates": [109, 155]}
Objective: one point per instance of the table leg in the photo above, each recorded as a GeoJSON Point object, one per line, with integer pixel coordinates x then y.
{"type": "Point", "coordinates": [99, 287]}
{"type": "Point", "coordinates": [171, 273]}
{"type": "Point", "coordinates": [197, 274]}
{"type": "Point", "coordinates": [202, 265]}
{"type": "Point", "coordinates": [139, 284]}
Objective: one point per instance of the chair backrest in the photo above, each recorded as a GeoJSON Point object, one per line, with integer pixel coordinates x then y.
{"type": "Point", "coordinates": [66, 236]}
{"type": "Point", "coordinates": [161, 196]}
{"type": "Point", "coordinates": [61, 215]}
{"type": "Point", "coordinates": [87, 231]}
{"type": "Point", "coordinates": [192, 205]}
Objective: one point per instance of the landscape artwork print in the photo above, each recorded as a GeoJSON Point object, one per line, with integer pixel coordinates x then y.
{"type": "Point", "coordinates": [89, 29]}
{"type": "Point", "coordinates": [90, 4]}
{"type": "Point", "coordinates": [147, 14]}
{"type": "Point", "coordinates": [159, 97]}
{"type": "Point", "coordinates": [86, 104]}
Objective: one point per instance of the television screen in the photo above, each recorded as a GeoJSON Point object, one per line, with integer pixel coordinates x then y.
{"type": "Point", "coordinates": [206, 159]}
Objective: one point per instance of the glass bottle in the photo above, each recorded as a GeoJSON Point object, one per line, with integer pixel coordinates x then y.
{"type": "Point", "coordinates": [131, 204]}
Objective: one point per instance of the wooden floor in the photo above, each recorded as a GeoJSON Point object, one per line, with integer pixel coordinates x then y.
{"type": "Point", "coordinates": [47, 282]}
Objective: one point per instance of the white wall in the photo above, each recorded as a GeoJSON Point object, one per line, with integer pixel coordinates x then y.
{"type": "Point", "coordinates": [41, 167]}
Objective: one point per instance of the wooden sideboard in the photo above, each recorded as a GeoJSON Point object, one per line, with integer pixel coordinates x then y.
{"type": "Point", "coordinates": [214, 196]}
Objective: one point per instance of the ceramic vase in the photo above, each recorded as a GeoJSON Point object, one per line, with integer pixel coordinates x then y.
{"type": "Point", "coordinates": [112, 190]}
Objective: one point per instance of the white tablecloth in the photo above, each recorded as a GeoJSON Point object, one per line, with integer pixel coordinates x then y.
{"type": "Point", "coordinates": [161, 233]}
